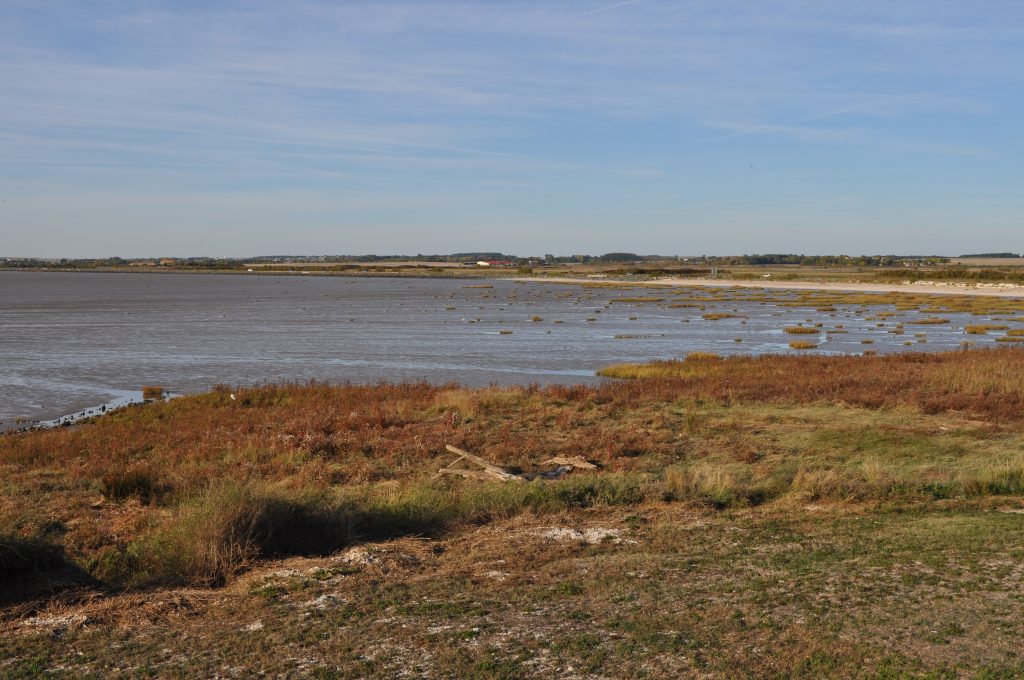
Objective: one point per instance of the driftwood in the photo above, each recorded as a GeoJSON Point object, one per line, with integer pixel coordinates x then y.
{"type": "Point", "coordinates": [491, 472]}
{"type": "Point", "coordinates": [574, 462]}
{"type": "Point", "coordinates": [468, 474]}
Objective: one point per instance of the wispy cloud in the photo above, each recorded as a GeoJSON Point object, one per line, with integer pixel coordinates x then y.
{"type": "Point", "coordinates": [802, 132]}
{"type": "Point", "coordinates": [607, 8]}
{"type": "Point", "coordinates": [568, 108]}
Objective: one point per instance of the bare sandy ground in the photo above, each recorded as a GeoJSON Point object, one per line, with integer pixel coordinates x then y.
{"type": "Point", "coordinates": [918, 288]}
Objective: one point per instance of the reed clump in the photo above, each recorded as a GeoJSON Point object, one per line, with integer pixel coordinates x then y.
{"type": "Point", "coordinates": [982, 329]}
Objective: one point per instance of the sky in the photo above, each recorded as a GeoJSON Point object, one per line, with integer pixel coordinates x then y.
{"type": "Point", "coordinates": [193, 128]}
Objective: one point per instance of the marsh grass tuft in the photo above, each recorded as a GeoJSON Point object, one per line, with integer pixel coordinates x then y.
{"type": "Point", "coordinates": [982, 329]}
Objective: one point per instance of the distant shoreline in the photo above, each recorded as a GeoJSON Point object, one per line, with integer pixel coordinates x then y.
{"type": "Point", "coordinates": [937, 288]}
{"type": "Point", "coordinates": [981, 288]}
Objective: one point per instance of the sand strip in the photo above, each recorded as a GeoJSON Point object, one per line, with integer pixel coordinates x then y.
{"type": "Point", "coordinates": [935, 288]}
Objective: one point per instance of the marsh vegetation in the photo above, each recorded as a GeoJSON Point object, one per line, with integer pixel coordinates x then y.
{"type": "Point", "coordinates": [736, 489]}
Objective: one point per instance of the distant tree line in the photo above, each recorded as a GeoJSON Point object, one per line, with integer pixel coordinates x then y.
{"type": "Point", "coordinates": [959, 273]}
{"type": "Point", "coordinates": [118, 262]}
{"type": "Point", "coordinates": [826, 260]}
{"type": "Point", "coordinates": [617, 258]}
{"type": "Point", "coordinates": [993, 255]}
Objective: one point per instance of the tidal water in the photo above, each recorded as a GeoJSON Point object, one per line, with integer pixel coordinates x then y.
{"type": "Point", "coordinates": [74, 340]}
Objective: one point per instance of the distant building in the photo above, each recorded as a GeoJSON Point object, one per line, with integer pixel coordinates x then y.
{"type": "Point", "coordinates": [167, 261]}
{"type": "Point", "coordinates": [494, 263]}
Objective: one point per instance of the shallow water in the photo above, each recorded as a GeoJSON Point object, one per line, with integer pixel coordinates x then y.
{"type": "Point", "coordinates": [74, 340]}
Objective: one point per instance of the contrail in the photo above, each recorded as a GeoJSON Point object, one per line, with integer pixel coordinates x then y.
{"type": "Point", "coordinates": [838, 112]}
{"type": "Point", "coordinates": [605, 9]}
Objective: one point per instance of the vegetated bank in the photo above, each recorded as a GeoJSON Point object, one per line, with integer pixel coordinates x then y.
{"type": "Point", "coordinates": [797, 515]}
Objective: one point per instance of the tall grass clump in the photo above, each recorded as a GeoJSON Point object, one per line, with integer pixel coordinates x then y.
{"type": "Point", "coordinates": [218, 534]}
{"type": "Point", "coordinates": [718, 486]}
{"type": "Point", "coordinates": [706, 484]}
{"type": "Point", "coordinates": [215, 535]}
{"type": "Point", "coordinates": [994, 480]}
{"type": "Point", "coordinates": [139, 481]}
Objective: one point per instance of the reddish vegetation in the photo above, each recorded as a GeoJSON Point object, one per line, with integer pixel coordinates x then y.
{"type": "Point", "coordinates": [336, 434]}
{"type": "Point", "coordinates": [988, 383]}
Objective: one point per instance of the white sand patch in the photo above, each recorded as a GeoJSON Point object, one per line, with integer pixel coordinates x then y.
{"type": "Point", "coordinates": [590, 535]}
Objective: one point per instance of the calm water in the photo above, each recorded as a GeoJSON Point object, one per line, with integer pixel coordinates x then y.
{"type": "Point", "coordinates": [72, 340]}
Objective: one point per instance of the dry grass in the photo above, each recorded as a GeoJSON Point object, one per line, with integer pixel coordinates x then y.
{"type": "Point", "coordinates": [890, 466]}
{"type": "Point", "coordinates": [152, 392]}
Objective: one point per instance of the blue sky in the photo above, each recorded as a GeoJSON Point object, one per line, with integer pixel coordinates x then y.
{"type": "Point", "coordinates": [195, 128]}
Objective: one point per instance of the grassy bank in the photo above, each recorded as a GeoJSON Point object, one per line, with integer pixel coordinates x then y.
{"type": "Point", "coordinates": [795, 516]}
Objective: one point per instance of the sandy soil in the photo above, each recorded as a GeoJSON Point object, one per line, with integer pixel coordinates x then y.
{"type": "Point", "coordinates": [929, 288]}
